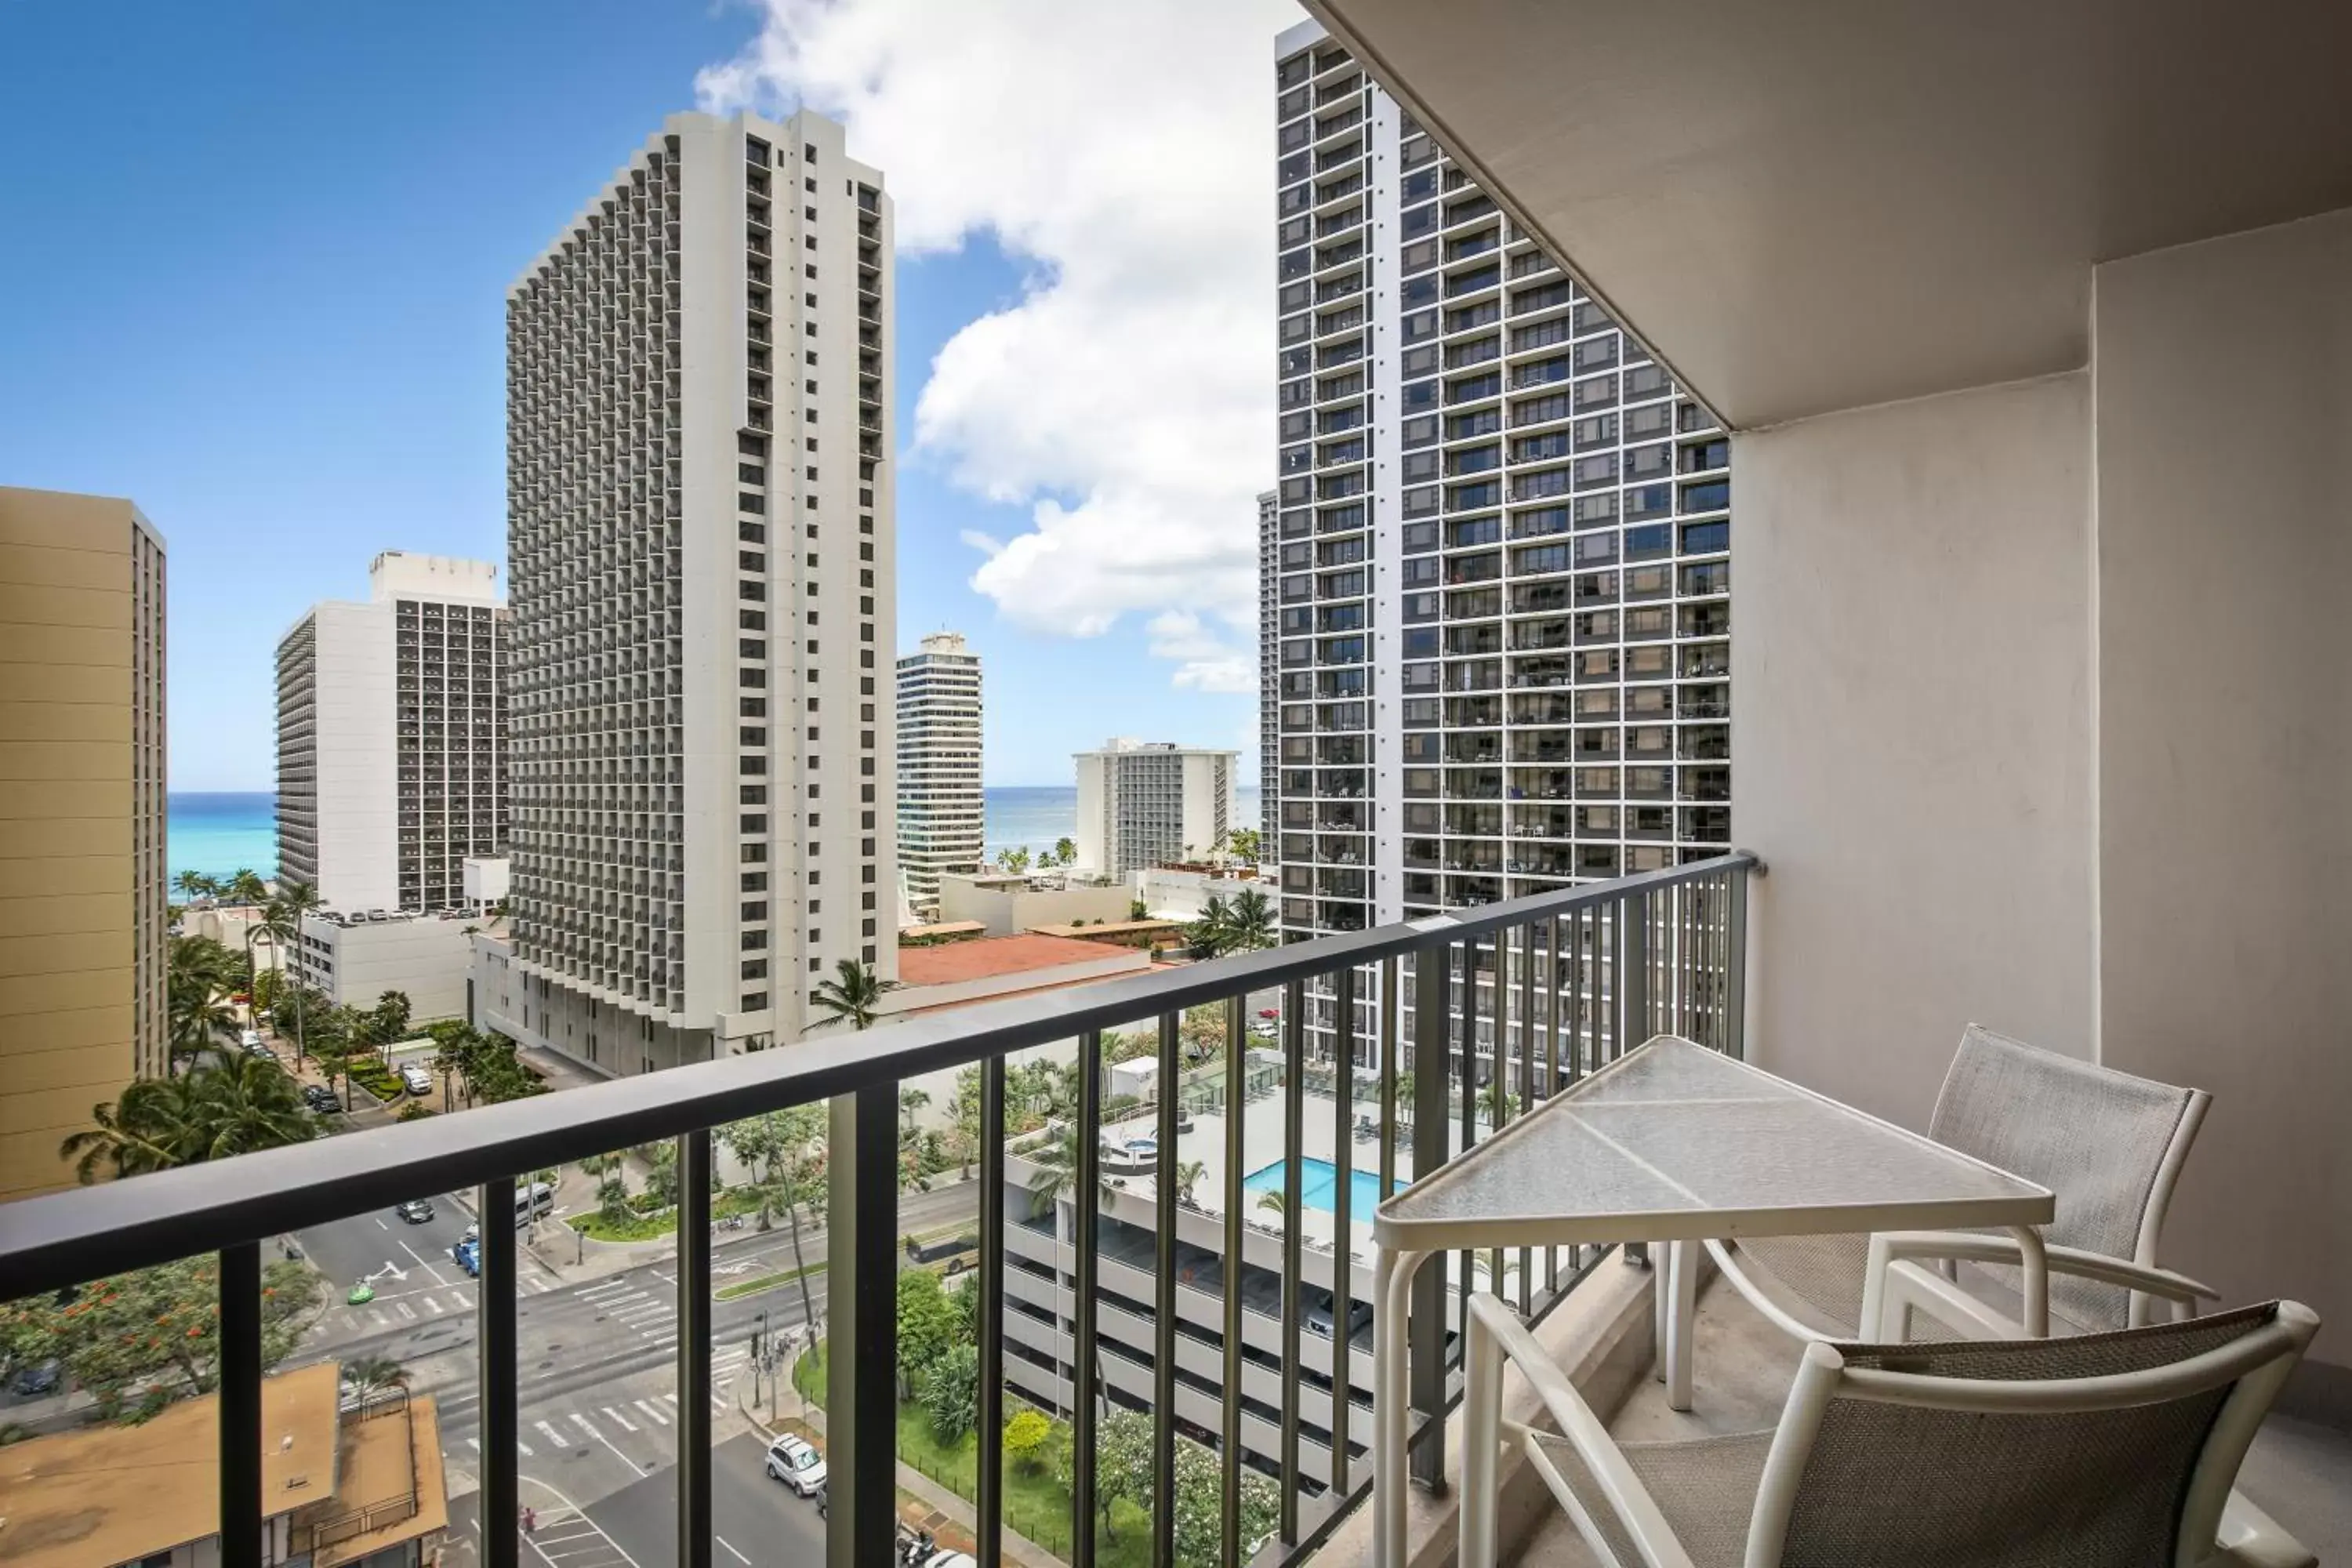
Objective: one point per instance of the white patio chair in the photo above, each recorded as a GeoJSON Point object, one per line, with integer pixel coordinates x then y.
{"type": "Point", "coordinates": [2098, 1451]}
{"type": "Point", "coordinates": [2109, 1145]}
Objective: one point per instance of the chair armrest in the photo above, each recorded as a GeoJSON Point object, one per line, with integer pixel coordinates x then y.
{"type": "Point", "coordinates": [1637, 1512]}
{"type": "Point", "coordinates": [1966, 1246]}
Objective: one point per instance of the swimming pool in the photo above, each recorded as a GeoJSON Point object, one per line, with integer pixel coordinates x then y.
{"type": "Point", "coordinates": [1318, 1182]}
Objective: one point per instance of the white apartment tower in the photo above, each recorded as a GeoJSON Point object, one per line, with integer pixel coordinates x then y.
{"type": "Point", "coordinates": [1145, 803]}
{"type": "Point", "coordinates": [1269, 671]}
{"type": "Point", "coordinates": [699, 520]}
{"type": "Point", "coordinates": [941, 817]}
{"type": "Point", "coordinates": [1502, 617]}
{"type": "Point", "coordinates": [392, 737]}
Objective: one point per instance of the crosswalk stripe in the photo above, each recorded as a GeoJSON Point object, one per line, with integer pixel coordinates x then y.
{"type": "Point", "coordinates": [550, 1433]}
{"type": "Point", "coordinates": [671, 1396]}
{"type": "Point", "coordinates": [616, 1300]}
{"type": "Point", "coordinates": [590, 1292]}
{"type": "Point", "coordinates": [539, 1285]}
{"type": "Point", "coordinates": [407, 1312]}
{"type": "Point", "coordinates": [381, 1321]}
{"type": "Point", "coordinates": [583, 1424]}
{"type": "Point", "coordinates": [459, 1297]}
{"type": "Point", "coordinates": [523, 1448]}
{"type": "Point", "coordinates": [652, 1411]}
{"type": "Point", "coordinates": [436, 1307]}
{"type": "Point", "coordinates": [626, 1425]}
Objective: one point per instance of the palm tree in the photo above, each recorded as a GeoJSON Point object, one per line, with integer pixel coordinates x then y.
{"type": "Point", "coordinates": [246, 1104]}
{"type": "Point", "coordinates": [199, 975]}
{"type": "Point", "coordinates": [140, 1132]}
{"type": "Point", "coordinates": [1188, 1176]}
{"type": "Point", "coordinates": [854, 994]}
{"type": "Point", "coordinates": [211, 1114]}
{"type": "Point", "coordinates": [1057, 1172]}
{"type": "Point", "coordinates": [1065, 852]}
{"type": "Point", "coordinates": [1272, 1202]}
{"type": "Point", "coordinates": [1208, 932]}
{"type": "Point", "coordinates": [281, 926]}
{"type": "Point", "coordinates": [1015, 860]}
{"type": "Point", "coordinates": [1249, 922]}
{"type": "Point", "coordinates": [370, 1375]}
{"type": "Point", "coordinates": [245, 888]}
{"type": "Point", "coordinates": [297, 899]}
{"type": "Point", "coordinates": [194, 884]}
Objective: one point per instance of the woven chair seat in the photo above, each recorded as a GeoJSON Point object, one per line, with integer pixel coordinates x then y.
{"type": "Point", "coordinates": [1706, 1487]}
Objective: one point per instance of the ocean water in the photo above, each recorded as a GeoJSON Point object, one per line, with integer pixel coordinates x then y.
{"type": "Point", "coordinates": [217, 834]}
{"type": "Point", "coordinates": [1035, 816]}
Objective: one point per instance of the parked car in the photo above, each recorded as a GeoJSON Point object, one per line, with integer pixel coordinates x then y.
{"type": "Point", "coordinates": [417, 1079]}
{"type": "Point", "coordinates": [797, 1465]}
{"type": "Point", "coordinates": [321, 1099]}
{"type": "Point", "coordinates": [416, 1211]}
{"type": "Point", "coordinates": [251, 1041]}
{"type": "Point", "coordinates": [469, 1254]}
{"type": "Point", "coordinates": [33, 1381]}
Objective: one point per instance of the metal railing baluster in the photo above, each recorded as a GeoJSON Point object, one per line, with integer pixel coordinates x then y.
{"type": "Point", "coordinates": [1293, 1222]}
{"type": "Point", "coordinates": [1467, 1039]}
{"type": "Point", "coordinates": [1735, 964]}
{"type": "Point", "coordinates": [500, 1506]}
{"type": "Point", "coordinates": [1425, 1337]}
{"type": "Point", "coordinates": [1229, 1458]}
{"type": "Point", "coordinates": [1343, 1217]}
{"type": "Point", "coordinates": [1163, 1336]}
{"type": "Point", "coordinates": [861, 1360]}
{"type": "Point", "coordinates": [240, 1433]}
{"type": "Point", "coordinates": [1086, 1391]}
{"type": "Point", "coordinates": [989, 1481]}
{"type": "Point", "coordinates": [694, 1458]}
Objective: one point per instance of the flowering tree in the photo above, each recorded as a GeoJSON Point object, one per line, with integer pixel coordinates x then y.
{"type": "Point", "coordinates": [139, 1340]}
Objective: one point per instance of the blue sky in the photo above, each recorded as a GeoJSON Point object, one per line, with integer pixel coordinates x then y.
{"type": "Point", "coordinates": [255, 281]}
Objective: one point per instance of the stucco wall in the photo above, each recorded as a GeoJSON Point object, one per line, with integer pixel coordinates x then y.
{"type": "Point", "coordinates": [2224, 394]}
{"type": "Point", "coordinates": [1910, 746]}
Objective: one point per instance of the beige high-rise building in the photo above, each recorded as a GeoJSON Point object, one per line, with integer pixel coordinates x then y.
{"type": "Point", "coordinates": [81, 819]}
{"type": "Point", "coordinates": [701, 566]}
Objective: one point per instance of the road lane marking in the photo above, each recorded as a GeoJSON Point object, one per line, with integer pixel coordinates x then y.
{"type": "Point", "coordinates": [381, 1321]}
{"type": "Point", "coordinates": [723, 1541]}
{"type": "Point", "coordinates": [616, 1300]}
{"type": "Point", "coordinates": [569, 1511]}
{"type": "Point", "coordinates": [435, 1305]}
{"type": "Point", "coordinates": [407, 1312]}
{"type": "Point", "coordinates": [625, 1423]}
{"type": "Point", "coordinates": [459, 1297]}
{"type": "Point", "coordinates": [652, 1411]}
{"type": "Point", "coordinates": [550, 1433]}
{"type": "Point", "coordinates": [423, 1263]}
{"type": "Point", "coordinates": [589, 1293]}
{"type": "Point", "coordinates": [670, 1278]}
{"type": "Point", "coordinates": [598, 1432]}
{"type": "Point", "coordinates": [381, 1226]}
{"type": "Point", "coordinates": [521, 1447]}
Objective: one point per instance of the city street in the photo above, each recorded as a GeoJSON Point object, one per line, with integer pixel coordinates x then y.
{"type": "Point", "coordinates": [755, 1521]}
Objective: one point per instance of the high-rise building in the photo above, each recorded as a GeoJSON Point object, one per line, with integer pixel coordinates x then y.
{"type": "Point", "coordinates": [700, 531]}
{"type": "Point", "coordinates": [81, 819]}
{"type": "Point", "coordinates": [1144, 803]}
{"type": "Point", "coordinates": [941, 816]}
{"type": "Point", "coordinates": [1503, 613]}
{"type": "Point", "coordinates": [392, 737]}
{"type": "Point", "coordinates": [1269, 671]}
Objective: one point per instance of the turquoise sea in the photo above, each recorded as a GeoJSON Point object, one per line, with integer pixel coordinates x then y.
{"type": "Point", "coordinates": [217, 834]}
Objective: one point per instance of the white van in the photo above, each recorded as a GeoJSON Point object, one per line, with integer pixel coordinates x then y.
{"type": "Point", "coordinates": [534, 1202]}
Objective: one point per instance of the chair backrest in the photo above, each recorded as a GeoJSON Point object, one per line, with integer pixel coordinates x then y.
{"type": "Point", "coordinates": [2108, 1145]}
{"type": "Point", "coordinates": [2095, 1451]}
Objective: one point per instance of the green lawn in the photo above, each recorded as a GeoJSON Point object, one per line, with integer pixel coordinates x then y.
{"type": "Point", "coordinates": [645, 1227]}
{"type": "Point", "coordinates": [1035, 1504]}
{"type": "Point", "coordinates": [758, 1282]}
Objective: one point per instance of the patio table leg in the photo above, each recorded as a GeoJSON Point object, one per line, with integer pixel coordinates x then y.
{"type": "Point", "coordinates": [1678, 1281]}
{"type": "Point", "coordinates": [1392, 1275]}
{"type": "Point", "coordinates": [1661, 1259]}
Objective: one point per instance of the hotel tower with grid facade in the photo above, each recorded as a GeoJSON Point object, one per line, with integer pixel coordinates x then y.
{"type": "Point", "coordinates": [700, 528]}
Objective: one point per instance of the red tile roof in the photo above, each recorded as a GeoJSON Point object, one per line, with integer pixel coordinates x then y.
{"type": "Point", "coordinates": [982, 957]}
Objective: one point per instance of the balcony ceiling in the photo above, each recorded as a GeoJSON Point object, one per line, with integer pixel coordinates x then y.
{"type": "Point", "coordinates": [1813, 205]}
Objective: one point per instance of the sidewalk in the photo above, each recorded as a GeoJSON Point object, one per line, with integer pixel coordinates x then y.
{"type": "Point", "coordinates": [787, 1404]}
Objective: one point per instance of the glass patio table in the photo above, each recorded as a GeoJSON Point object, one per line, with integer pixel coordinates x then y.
{"type": "Point", "coordinates": [1671, 1144]}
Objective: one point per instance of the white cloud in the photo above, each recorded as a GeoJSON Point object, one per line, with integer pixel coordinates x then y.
{"type": "Point", "coordinates": [1205, 662]}
{"type": "Point", "coordinates": [1127, 397]}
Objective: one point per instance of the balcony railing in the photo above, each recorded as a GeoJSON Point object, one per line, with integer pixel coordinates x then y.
{"type": "Point", "coordinates": [1469, 1017]}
